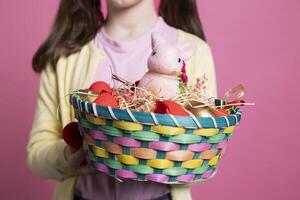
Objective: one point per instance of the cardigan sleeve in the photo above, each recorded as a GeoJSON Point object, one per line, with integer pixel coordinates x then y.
{"type": "Point", "coordinates": [45, 149]}
{"type": "Point", "coordinates": [205, 65]}
{"type": "Point", "coordinates": [201, 63]}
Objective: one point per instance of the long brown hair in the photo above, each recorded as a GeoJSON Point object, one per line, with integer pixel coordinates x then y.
{"type": "Point", "coordinates": [78, 21]}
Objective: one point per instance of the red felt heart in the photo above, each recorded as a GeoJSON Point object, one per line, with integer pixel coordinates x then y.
{"type": "Point", "coordinates": [106, 99]}
{"type": "Point", "coordinates": [100, 86]}
{"type": "Point", "coordinates": [170, 107]}
{"type": "Point", "coordinates": [71, 135]}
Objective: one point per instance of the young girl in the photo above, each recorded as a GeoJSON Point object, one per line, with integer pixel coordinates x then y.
{"type": "Point", "coordinates": [83, 47]}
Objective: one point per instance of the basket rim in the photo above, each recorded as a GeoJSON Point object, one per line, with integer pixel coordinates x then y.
{"type": "Point", "coordinates": [150, 118]}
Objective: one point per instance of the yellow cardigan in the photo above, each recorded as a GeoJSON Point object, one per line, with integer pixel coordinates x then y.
{"type": "Point", "coordinates": [53, 111]}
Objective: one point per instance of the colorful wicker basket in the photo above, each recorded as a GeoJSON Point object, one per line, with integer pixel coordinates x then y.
{"type": "Point", "coordinates": [152, 147]}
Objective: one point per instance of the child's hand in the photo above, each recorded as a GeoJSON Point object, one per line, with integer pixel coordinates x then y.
{"type": "Point", "coordinates": [76, 160]}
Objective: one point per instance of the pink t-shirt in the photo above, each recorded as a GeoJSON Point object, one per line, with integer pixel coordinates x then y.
{"type": "Point", "coordinates": [127, 60]}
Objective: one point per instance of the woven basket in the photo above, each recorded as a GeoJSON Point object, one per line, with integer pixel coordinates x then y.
{"type": "Point", "coordinates": [152, 147]}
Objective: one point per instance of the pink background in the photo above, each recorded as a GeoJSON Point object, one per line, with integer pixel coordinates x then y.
{"type": "Point", "coordinates": [254, 42]}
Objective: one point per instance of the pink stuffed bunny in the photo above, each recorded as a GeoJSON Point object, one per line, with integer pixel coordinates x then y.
{"type": "Point", "coordinates": [166, 67]}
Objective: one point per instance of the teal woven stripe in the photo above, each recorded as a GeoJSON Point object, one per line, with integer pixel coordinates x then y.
{"type": "Point", "coordinates": [177, 163]}
{"type": "Point", "coordinates": [144, 144]}
{"type": "Point", "coordinates": [86, 124]}
{"type": "Point", "coordinates": [161, 154]}
{"type": "Point", "coordinates": [146, 118]}
{"type": "Point", "coordinates": [98, 143]}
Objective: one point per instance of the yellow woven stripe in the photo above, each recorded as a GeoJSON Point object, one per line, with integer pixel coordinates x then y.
{"type": "Point", "coordinates": [167, 130]}
{"type": "Point", "coordinates": [192, 164]}
{"type": "Point", "coordinates": [129, 126]}
{"type": "Point", "coordinates": [206, 131]}
{"type": "Point", "coordinates": [127, 159]}
{"type": "Point", "coordinates": [100, 152]}
{"type": "Point", "coordinates": [95, 120]}
{"type": "Point", "coordinates": [229, 129]}
{"type": "Point", "coordinates": [213, 161]}
{"type": "Point", "coordinates": [160, 163]}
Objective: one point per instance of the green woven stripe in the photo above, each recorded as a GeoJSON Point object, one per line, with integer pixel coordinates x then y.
{"type": "Point", "coordinates": [185, 139]}
{"type": "Point", "coordinates": [114, 164]}
{"type": "Point", "coordinates": [177, 163]}
{"type": "Point", "coordinates": [112, 131]}
{"type": "Point", "coordinates": [174, 171]}
{"type": "Point", "coordinates": [145, 136]}
{"type": "Point", "coordinates": [216, 138]}
{"type": "Point", "coordinates": [85, 124]}
{"type": "Point", "coordinates": [200, 170]}
{"type": "Point", "coordinates": [91, 155]}
{"type": "Point", "coordinates": [141, 169]}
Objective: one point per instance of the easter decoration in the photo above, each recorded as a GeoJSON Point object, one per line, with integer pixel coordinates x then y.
{"type": "Point", "coordinates": [160, 128]}
{"type": "Point", "coordinates": [166, 67]}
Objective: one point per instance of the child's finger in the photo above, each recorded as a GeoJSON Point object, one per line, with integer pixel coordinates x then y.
{"type": "Point", "coordinates": [76, 158]}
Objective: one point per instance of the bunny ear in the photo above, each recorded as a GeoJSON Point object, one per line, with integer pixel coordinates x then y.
{"type": "Point", "coordinates": [187, 49]}
{"type": "Point", "coordinates": [156, 39]}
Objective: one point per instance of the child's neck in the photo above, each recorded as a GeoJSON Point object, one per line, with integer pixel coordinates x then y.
{"type": "Point", "coordinates": [129, 23]}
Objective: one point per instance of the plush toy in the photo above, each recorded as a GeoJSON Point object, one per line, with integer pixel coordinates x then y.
{"type": "Point", "coordinates": [166, 67]}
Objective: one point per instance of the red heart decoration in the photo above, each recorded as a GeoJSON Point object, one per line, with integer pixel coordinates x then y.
{"type": "Point", "coordinates": [106, 99]}
{"type": "Point", "coordinates": [71, 135]}
{"type": "Point", "coordinates": [170, 107]}
{"type": "Point", "coordinates": [100, 86]}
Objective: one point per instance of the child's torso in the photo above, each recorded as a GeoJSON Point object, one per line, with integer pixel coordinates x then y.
{"type": "Point", "coordinates": [127, 60]}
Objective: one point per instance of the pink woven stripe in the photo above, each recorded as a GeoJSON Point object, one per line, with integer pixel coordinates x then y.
{"type": "Point", "coordinates": [164, 146]}
{"type": "Point", "coordinates": [98, 135]}
{"type": "Point", "coordinates": [127, 142]}
{"type": "Point", "coordinates": [207, 174]}
{"type": "Point", "coordinates": [186, 178]}
{"type": "Point", "coordinates": [160, 178]}
{"type": "Point", "coordinates": [126, 174]}
{"type": "Point", "coordinates": [222, 144]}
{"type": "Point", "coordinates": [102, 168]}
{"type": "Point", "coordinates": [199, 147]}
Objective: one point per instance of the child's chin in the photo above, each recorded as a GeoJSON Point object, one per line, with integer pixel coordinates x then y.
{"type": "Point", "coordinates": [123, 4]}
